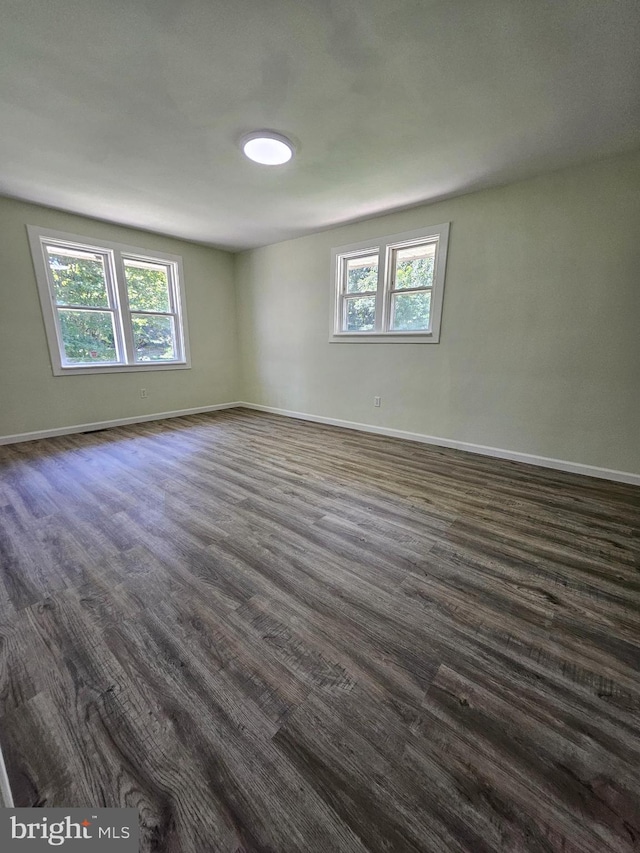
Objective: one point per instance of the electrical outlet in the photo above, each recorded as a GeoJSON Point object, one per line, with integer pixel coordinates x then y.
{"type": "Point", "coordinates": [143, 392]}
{"type": "Point", "coordinates": [377, 401]}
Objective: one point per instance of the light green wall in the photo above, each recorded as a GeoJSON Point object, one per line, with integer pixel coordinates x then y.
{"type": "Point", "coordinates": [540, 345]}
{"type": "Point", "coordinates": [31, 398]}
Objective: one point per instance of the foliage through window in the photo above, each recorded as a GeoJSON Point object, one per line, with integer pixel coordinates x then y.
{"type": "Point", "coordinates": [390, 288]}
{"type": "Point", "coordinates": [109, 307]}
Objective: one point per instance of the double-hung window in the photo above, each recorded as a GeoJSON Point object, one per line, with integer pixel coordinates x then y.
{"type": "Point", "coordinates": [109, 307]}
{"type": "Point", "coordinates": [390, 288]}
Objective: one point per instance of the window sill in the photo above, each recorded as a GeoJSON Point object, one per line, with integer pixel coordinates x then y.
{"type": "Point", "coordinates": [383, 338]}
{"type": "Point", "coordinates": [119, 368]}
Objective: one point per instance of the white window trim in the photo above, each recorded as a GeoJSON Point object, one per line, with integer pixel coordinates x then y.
{"type": "Point", "coordinates": [115, 282]}
{"type": "Point", "coordinates": [384, 247]}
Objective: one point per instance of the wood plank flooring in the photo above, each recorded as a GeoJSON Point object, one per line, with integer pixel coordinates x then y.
{"type": "Point", "coordinates": [272, 636]}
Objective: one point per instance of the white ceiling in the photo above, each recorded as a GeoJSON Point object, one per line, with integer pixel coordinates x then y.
{"type": "Point", "coordinates": [130, 110]}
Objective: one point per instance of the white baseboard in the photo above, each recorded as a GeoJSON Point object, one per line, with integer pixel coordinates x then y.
{"type": "Point", "coordinates": [484, 450]}
{"type": "Point", "coordinates": [136, 419]}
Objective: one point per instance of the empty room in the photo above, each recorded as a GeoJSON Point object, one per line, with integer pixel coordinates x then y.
{"type": "Point", "coordinates": [320, 426]}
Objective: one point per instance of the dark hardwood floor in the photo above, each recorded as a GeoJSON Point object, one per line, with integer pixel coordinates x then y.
{"type": "Point", "coordinates": [271, 635]}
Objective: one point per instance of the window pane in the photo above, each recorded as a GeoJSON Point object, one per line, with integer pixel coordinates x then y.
{"type": "Point", "coordinates": [411, 311]}
{"type": "Point", "coordinates": [78, 277]}
{"type": "Point", "coordinates": [88, 336]}
{"type": "Point", "coordinates": [147, 286]}
{"type": "Point", "coordinates": [361, 314]}
{"type": "Point", "coordinates": [414, 266]}
{"type": "Point", "coordinates": [362, 274]}
{"type": "Point", "coordinates": [153, 337]}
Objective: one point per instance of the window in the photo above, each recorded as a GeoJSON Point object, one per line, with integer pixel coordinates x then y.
{"type": "Point", "coordinates": [390, 289]}
{"type": "Point", "coordinates": [109, 307]}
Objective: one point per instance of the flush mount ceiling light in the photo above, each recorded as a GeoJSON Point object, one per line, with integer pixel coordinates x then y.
{"type": "Point", "coordinates": [267, 148]}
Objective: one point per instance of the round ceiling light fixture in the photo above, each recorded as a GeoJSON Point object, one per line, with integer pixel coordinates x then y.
{"type": "Point", "coordinates": [267, 147]}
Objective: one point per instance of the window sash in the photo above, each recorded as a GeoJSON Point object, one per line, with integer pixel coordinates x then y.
{"type": "Point", "coordinates": [393, 291]}
{"type": "Point", "coordinates": [349, 297]}
{"type": "Point", "coordinates": [174, 336]}
{"type": "Point", "coordinates": [112, 299]}
{"type": "Point", "coordinates": [173, 309]}
{"type": "Point", "coordinates": [345, 295]}
{"type": "Point", "coordinates": [70, 250]}
{"type": "Point", "coordinates": [63, 347]}
{"type": "Point", "coordinates": [172, 313]}
{"type": "Point", "coordinates": [392, 310]}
